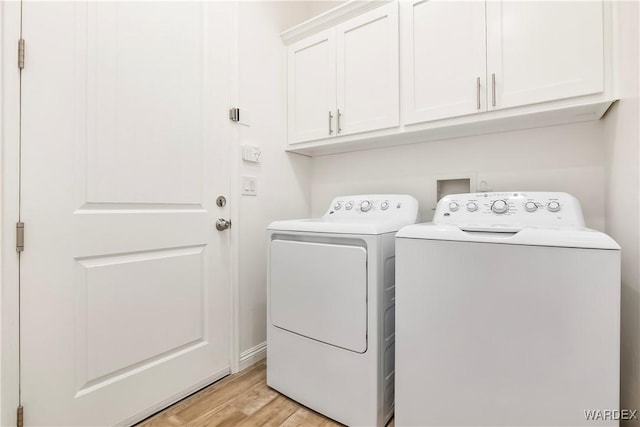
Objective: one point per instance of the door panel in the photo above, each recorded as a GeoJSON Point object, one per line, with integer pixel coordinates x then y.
{"type": "Point", "coordinates": [320, 291]}
{"type": "Point", "coordinates": [368, 85]}
{"type": "Point", "coordinates": [124, 279]}
{"type": "Point", "coordinates": [443, 59]}
{"type": "Point", "coordinates": [539, 51]}
{"type": "Point", "coordinates": [312, 87]}
{"type": "Point", "coordinates": [144, 104]}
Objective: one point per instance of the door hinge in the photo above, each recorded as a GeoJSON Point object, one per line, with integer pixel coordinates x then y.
{"type": "Point", "coordinates": [21, 54]}
{"type": "Point", "coordinates": [20, 417]}
{"type": "Point", "coordinates": [234, 114]}
{"type": "Point", "coordinates": [20, 237]}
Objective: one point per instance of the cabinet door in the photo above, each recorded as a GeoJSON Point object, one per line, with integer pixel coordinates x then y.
{"type": "Point", "coordinates": [443, 59]}
{"type": "Point", "coordinates": [543, 50]}
{"type": "Point", "coordinates": [312, 87]}
{"type": "Point", "coordinates": [367, 60]}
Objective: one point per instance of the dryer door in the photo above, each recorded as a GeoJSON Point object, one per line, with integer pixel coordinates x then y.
{"type": "Point", "coordinates": [320, 291]}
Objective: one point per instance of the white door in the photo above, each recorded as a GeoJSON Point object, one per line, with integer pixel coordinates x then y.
{"type": "Point", "coordinates": [543, 50]}
{"type": "Point", "coordinates": [443, 59]}
{"type": "Point", "coordinates": [124, 278]}
{"type": "Point", "coordinates": [312, 87]}
{"type": "Point", "coordinates": [367, 63]}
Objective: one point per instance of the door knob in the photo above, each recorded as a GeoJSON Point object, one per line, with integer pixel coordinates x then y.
{"type": "Point", "coordinates": [222, 224]}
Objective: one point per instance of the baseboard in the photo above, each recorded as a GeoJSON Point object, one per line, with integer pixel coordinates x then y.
{"type": "Point", "coordinates": [253, 355]}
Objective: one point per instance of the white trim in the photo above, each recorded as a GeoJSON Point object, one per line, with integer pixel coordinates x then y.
{"type": "Point", "coordinates": [9, 205]}
{"type": "Point", "coordinates": [329, 19]}
{"type": "Point", "coordinates": [253, 355]}
{"type": "Point", "coordinates": [174, 399]}
{"type": "Point", "coordinates": [234, 201]}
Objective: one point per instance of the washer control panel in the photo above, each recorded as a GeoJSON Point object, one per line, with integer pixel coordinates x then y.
{"type": "Point", "coordinates": [509, 210]}
{"type": "Point", "coordinates": [372, 207]}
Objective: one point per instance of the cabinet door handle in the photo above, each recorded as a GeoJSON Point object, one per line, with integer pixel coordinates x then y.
{"type": "Point", "coordinates": [338, 125]}
{"type": "Point", "coordinates": [493, 89]}
{"type": "Point", "coordinates": [478, 93]}
{"type": "Point", "coordinates": [330, 123]}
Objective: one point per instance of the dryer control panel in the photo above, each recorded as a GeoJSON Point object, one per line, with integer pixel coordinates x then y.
{"type": "Point", "coordinates": [509, 211]}
{"type": "Point", "coordinates": [373, 207]}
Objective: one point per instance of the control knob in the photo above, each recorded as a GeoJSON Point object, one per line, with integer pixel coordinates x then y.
{"type": "Point", "coordinates": [453, 206]}
{"type": "Point", "coordinates": [348, 206]}
{"type": "Point", "coordinates": [499, 207]}
{"type": "Point", "coordinates": [553, 206]}
{"type": "Point", "coordinates": [530, 207]}
{"type": "Point", "coordinates": [472, 206]}
{"type": "Point", "coordinates": [365, 205]}
{"type": "Point", "coordinates": [384, 205]}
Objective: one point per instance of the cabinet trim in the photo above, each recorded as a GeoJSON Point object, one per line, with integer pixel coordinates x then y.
{"type": "Point", "coordinates": [329, 19]}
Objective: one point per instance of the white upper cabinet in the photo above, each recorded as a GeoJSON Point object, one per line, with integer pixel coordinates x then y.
{"type": "Point", "coordinates": [311, 87]}
{"type": "Point", "coordinates": [387, 72]}
{"type": "Point", "coordinates": [344, 80]}
{"type": "Point", "coordinates": [541, 51]}
{"type": "Point", "coordinates": [443, 59]}
{"type": "Point", "coordinates": [367, 60]}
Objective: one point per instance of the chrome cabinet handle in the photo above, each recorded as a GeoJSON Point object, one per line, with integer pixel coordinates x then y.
{"type": "Point", "coordinates": [330, 120]}
{"type": "Point", "coordinates": [478, 92]}
{"type": "Point", "coordinates": [338, 118]}
{"type": "Point", "coordinates": [222, 224]}
{"type": "Point", "coordinates": [493, 89]}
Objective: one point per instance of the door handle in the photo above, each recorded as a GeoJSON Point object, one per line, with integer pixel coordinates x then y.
{"type": "Point", "coordinates": [338, 126]}
{"type": "Point", "coordinates": [478, 93]}
{"type": "Point", "coordinates": [330, 120]}
{"type": "Point", "coordinates": [222, 224]}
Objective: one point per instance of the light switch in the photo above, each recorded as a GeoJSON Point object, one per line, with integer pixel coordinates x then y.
{"type": "Point", "coordinates": [249, 186]}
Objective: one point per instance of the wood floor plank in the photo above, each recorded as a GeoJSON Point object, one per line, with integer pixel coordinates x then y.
{"type": "Point", "coordinates": [243, 400]}
{"type": "Point", "coordinates": [255, 398]}
{"type": "Point", "coordinates": [273, 413]}
{"type": "Point", "coordinates": [304, 417]}
{"type": "Point", "coordinates": [213, 399]}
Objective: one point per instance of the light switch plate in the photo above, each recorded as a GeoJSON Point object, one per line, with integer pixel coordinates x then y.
{"type": "Point", "coordinates": [249, 186]}
{"type": "Point", "coordinates": [251, 153]}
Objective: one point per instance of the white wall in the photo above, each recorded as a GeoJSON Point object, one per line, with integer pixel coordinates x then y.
{"type": "Point", "coordinates": [283, 179]}
{"type": "Point", "coordinates": [622, 213]}
{"type": "Point", "coordinates": [560, 158]}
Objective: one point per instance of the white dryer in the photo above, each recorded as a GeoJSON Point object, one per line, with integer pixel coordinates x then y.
{"type": "Point", "coordinates": [330, 307]}
{"type": "Point", "coordinates": [508, 314]}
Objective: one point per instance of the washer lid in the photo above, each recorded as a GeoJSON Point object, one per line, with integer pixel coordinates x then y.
{"type": "Point", "coordinates": [363, 214]}
{"type": "Point", "coordinates": [568, 237]}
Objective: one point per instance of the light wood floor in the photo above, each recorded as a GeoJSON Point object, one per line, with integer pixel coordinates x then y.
{"type": "Point", "coordinates": [242, 399]}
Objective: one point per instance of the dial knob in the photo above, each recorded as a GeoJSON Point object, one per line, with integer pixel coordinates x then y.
{"type": "Point", "coordinates": [530, 207]}
{"type": "Point", "coordinates": [385, 205]}
{"type": "Point", "coordinates": [348, 206]}
{"type": "Point", "coordinates": [499, 206]}
{"type": "Point", "coordinates": [337, 206]}
{"type": "Point", "coordinates": [453, 206]}
{"type": "Point", "coordinates": [553, 206]}
{"type": "Point", "coordinates": [365, 205]}
{"type": "Point", "coordinates": [472, 206]}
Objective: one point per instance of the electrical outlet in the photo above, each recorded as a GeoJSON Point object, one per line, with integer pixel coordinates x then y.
{"type": "Point", "coordinates": [249, 186]}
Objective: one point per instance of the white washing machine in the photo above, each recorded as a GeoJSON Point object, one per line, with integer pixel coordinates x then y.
{"type": "Point", "coordinates": [508, 314]}
{"type": "Point", "coordinates": [330, 307]}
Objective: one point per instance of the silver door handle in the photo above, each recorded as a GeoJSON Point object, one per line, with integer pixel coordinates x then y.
{"type": "Point", "coordinates": [330, 120]}
{"type": "Point", "coordinates": [222, 224]}
{"type": "Point", "coordinates": [478, 92]}
{"type": "Point", "coordinates": [493, 89]}
{"type": "Point", "coordinates": [338, 118]}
